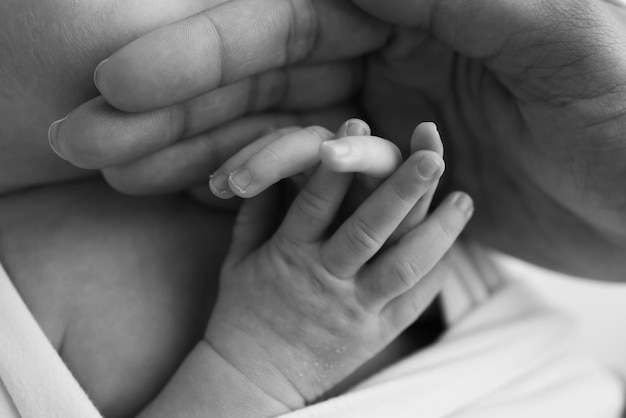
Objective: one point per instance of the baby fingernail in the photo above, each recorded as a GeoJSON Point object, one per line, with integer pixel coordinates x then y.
{"type": "Point", "coordinates": [464, 203]}
{"type": "Point", "coordinates": [53, 132]}
{"type": "Point", "coordinates": [219, 185]}
{"type": "Point", "coordinates": [428, 166]}
{"type": "Point", "coordinates": [356, 128]}
{"type": "Point", "coordinates": [240, 179]}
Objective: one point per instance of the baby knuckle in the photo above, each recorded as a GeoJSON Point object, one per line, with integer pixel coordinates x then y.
{"type": "Point", "coordinates": [405, 191]}
{"type": "Point", "coordinates": [447, 232]}
{"type": "Point", "coordinates": [407, 271]}
{"type": "Point", "coordinates": [312, 205]}
{"type": "Point", "coordinates": [361, 237]}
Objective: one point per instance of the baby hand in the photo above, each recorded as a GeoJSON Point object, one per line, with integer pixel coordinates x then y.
{"type": "Point", "coordinates": [302, 307]}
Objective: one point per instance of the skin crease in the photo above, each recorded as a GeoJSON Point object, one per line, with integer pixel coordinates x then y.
{"type": "Point", "coordinates": [38, 87]}
{"type": "Point", "coordinates": [569, 192]}
{"type": "Point", "coordinates": [72, 249]}
{"type": "Point", "coordinates": [48, 51]}
{"type": "Point", "coordinates": [122, 286]}
{"type": "Point", "coordinates": [529, 97]}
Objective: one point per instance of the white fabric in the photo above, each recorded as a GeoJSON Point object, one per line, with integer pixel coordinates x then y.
{"type": "Point", "coordinates": [34, 381]}
{"type": "Point", "coordinates": [599, 307]}
{"type": "Point", "coordinates": [505, 355]}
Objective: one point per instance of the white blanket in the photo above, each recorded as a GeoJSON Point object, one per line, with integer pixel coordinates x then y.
{"type": "Point", "coordinates": [505, 355]}
{"type": "Point", "coordinates": [34, 382]}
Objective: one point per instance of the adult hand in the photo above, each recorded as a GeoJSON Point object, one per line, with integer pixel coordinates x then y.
{"type": "Point", "coordinates": [163, 96]}
{"type": "Point", "coordinates": [530, 97]}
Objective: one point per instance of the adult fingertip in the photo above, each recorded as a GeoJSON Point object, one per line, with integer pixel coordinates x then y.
{"type": "Point", "coordinates": [53, 137]}
{"type": "Point", "coordinates": [96, 79]}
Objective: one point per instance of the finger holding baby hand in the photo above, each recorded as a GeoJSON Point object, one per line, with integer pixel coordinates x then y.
{"type": "Point", "coordinates": [278, 155]}
{"type": "Point", "coordinates": [265, 162]}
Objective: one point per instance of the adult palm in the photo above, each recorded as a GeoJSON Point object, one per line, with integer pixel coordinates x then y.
{"type": "Point", "coordinates": [530, 98]}
{"type": "Point", "coordinates": [529, 95]}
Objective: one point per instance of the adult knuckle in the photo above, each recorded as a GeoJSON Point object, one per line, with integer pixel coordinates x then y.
{"type": "Point", "coordinates": [270, 157]}
{"type": "Point", "coordinates": [304, 30]}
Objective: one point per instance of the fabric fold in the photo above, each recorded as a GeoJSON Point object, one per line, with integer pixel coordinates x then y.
{"type": "Point", "coordinates": [505, 355]}
{"type": "Point", "coordinates": [35, 381]}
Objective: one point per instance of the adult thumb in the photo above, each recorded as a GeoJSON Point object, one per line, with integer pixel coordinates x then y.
{"type": "Point", "coordinates": [478, 28]}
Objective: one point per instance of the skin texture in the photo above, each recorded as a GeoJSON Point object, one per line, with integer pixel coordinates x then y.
{"type": "Point", "coordinates": [121, 286]}
{"type": "Point", "coordinates": [534, 118]}
{"type": "Point", "coordinates": [535, 100]}
{"type": "Point", "coordinates": [49, 51]}
{"type": "Point", "coordinates": [529, 96]}
{"type": "Point", "coordinates": [308, 303]}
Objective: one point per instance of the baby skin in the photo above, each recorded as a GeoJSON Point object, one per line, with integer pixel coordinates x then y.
{"type": "Point", "coordinates": [302, 305]}
{"type": "Point", "coordinates": [93, 313]}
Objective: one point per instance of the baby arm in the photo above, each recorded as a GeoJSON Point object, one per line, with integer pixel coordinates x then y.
{"type": "Point", "coordinates": [302, 306]}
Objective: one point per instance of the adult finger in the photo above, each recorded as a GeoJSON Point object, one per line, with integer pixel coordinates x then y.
{"type": "Point", "coordinates": [96, 135]}
{"type": "Point", "coordinates": [401, 267]}
{"type": "Point", "coordinates": [219, 179]}
{"type": "Point", "coordinates": [229, 42]}
{"type": "Point", "coordinates": [537, 42]}
{"type": "Point", "coordinates": [191, 162]}
{"type": "Point", "coordinates": [474, 27]}
{"type": "Point", "coordinates": [364, 233]}
{"type": "Point", "coordinates": [291, 154]}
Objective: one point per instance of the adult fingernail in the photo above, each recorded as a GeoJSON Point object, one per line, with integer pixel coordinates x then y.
{"type": "Point", "coordinates": [464, 203]}
{"type": "Point", "coordinates": [219, 185]}
{"type": "Point", "coordinates": [338, 149]}
{"type": "Point", "coordinates": [429, 166]}
{"type": "Point", "coordinates": [356, 128]}
{"type": "Point", "coordinates": [240, 179]}
{"type": "Point", "coordinates": [53, 133]}
{"type": "Point", "coordinates": [95, 73]}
